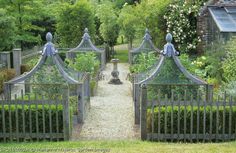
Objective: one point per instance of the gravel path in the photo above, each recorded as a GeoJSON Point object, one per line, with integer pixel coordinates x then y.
{"type": "Point", "coordinates": [111, 115]}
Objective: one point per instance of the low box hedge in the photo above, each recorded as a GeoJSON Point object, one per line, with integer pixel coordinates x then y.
{"type": "Point", "coordinates": [195, 111]}
{"type": "Point", "coordinates": [54, 111]}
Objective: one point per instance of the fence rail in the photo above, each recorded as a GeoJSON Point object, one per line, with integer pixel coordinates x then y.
{"type": "Point", "coordinates": [34, 119]}
{"type": "Point", "coordinates": [188, 120]}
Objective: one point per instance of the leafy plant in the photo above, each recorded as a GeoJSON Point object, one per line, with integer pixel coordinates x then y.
{"type": "Point", "coordinates": [7, 31]}
{"type": "Point", "coordinates": [85, 62]}
{"type": "Point", "coordinates": [144, 61]}
{"type": "Point", "coordinates": [228, 65]}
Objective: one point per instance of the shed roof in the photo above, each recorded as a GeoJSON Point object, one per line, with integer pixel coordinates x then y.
{"type": "Point", "coordinates": [224, 17]}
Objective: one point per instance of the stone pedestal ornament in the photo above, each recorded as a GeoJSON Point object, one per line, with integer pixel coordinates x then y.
{"type": "Point", "coordinates": [115, 73]}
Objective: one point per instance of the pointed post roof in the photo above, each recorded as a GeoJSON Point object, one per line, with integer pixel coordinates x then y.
{"type": "Point", "coordinates": [170, 53]}
{"type": "Point", "coordinates": [86, 44]}
{"type": "Point", "coordinates": [147, 40]}
{"type": "Point", "coordinates": [48, 52]}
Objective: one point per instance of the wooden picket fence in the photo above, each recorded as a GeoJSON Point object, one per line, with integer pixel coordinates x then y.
{"type": "Point", "coordinates": [188, 120]}
{"type": "Point", "coordinates": [34, 119]}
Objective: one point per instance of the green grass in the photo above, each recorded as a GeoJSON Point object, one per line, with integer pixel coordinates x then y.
{"type": "Point", "coordinates": [119, 147]}
{"type": "Point", "coordinates": [122, 55]}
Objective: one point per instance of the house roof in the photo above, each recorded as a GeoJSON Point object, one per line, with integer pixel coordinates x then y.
{"type": "Point", "coordinates": [224, 17]}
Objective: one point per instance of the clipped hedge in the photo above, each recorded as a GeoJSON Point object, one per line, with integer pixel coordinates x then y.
{"type": "Point", "coordinates": [19, 112]}
{"type": "Point", "coordinates": [188, 120]}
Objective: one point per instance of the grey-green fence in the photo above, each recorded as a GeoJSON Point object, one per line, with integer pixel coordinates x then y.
{"type": "Point", "coordinates": [35, 119]}
{"type": "Point", "coordinates": [188, 120]}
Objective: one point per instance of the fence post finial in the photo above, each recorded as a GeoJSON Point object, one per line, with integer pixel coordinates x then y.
{"type": "Point", "coordinates": [86, 35]}
{"type": "Point", "coordinates": [49, 37]}
{"type": "Point", "coordinates": [49, 48]}
{"type": "Point", "coordinates": [147, 35]}
{"type": "Point", "coordinates": [169, 49]}
{"type": "Point", "coordinates": [86, 30]}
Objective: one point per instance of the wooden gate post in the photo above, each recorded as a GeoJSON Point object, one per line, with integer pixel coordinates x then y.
{"type": "Point", "coordinates": [143, 119]}
{"type": "Point", "coordinates": [81, 103]}
{"type": "Point", "coordinates": [137, 103]}
{"type": "Point", "coordinates": [66, 114]}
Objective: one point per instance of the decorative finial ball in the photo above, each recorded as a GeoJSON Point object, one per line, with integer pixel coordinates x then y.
{"type": "Point", "coordinates": [86, 30]}
{"type": "Point", "coordinates": [169, 38]}
{"type": "Point", "coordinates": [49, 37]}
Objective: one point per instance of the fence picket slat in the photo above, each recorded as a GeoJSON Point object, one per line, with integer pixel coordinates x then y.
{"type": "Point", "coordinates": [172, 115]}
{"type": "Point", "coordinates": [152, 118]}
{"type": "Point", "coordinates": [30, 118]}
{"type": "Point", "coordinates": [23, 114]}
{"type": "Point", "coordinates": [211, 103]}
{"type": "Point", "coordinates": [179, 117]}
{"type": "Point", "coordinates": [217, 119]}
{"type": "Point", "coordinates": [17, 121]}
{"type": "Point", "coordinates": [198, 107]}
{"type": "Point", "coordinates": [50, 120]}
{"type": "Point", "coordinates": [44, 128]}
{"type": "Point", "coordinates": [159, 113]}
{"type": "Point", "coordinates": [166, 101]}
{"type": "Point", "coordinates": [204, 121]}
{"type": "Point", "coordinates": [37, 118]}
{"type": "Point", "coordinates": [185, 117]}
{"type": "Point", "coordinates": [191, 126]}
{"type": "Point", "coordinates": [57, 120]}
{"type": "Point", "coordinates": [3, 120]}
{"type": "Point", "coordinates": [224, 102]}
{"type": "Point", "coordinates": [10, 121]}
{"type": "Point", "coordinates": [230, 117]}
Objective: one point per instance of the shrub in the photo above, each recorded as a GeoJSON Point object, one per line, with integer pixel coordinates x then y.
{"type": "Point", "coordinates": [85, 62]}
{"type": "Point", "coordinates": [181, 20]}
{"type": "Point", "coordinates": [144, 61]}
{"type": "Point", "coordinates": [228, 65]}
{"type": "Point", "coordinates": [24, 68]}
{"type": "Point", "coordinates": [188, 120]}
{"type": "Point", "coordinates": [7, 30]}
{"type": "Point", "coordinates": [6, 75]}
{"type": "Point", "coordinates": [72, 21]}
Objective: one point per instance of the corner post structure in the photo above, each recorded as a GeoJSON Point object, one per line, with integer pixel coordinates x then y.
{"type": "Point", "coordinates": [136, 104]}
{"type": "Point", "coordinates": [145, 47]}
{"type": "Point", "coordinates": [17, 60]}
{"type": "Point", "coordinates": [143, 119]}
{"type": "Point", "coordinates": [81, 104]}
{"type": "Point", "coordinates": [66, 114]}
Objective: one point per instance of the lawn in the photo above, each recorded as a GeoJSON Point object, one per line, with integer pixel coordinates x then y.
{"type": "Point", "coordinates": [122, 55]}
{"type": "Point", "coordinates": [118, 147]}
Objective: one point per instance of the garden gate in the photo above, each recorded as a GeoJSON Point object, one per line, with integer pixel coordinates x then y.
{"type": "Point", "coordinates": [176, 105]}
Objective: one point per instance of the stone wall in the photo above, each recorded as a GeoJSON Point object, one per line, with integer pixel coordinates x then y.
{"type": "Point", "coordinates": [202, 26]}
